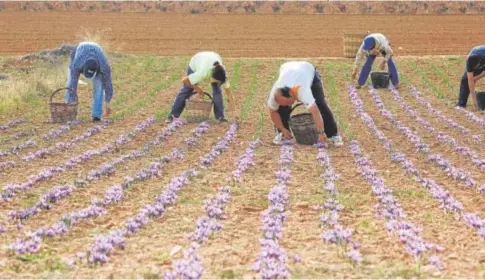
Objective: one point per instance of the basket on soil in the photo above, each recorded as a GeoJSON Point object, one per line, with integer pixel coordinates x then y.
{"type": "Point", "coordinates": [303, 128]}
{"type": "Point", "coordinates": [380, 79]}
{"type": "Point", "coordinates": [198, 110]}
{"type": "Point", "coordinates": [481, 100]}
{"type": "Point", "coordinates": [352, 42]}
{"type": "Point", "coordinates": [62, 112]}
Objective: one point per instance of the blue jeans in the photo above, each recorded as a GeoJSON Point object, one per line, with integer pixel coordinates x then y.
{"type": "Point", "coordinates": [97, 108]}
{"type": "Point", "coordinates": [186, 92]}
{"type": "Point", "coordinates": [364, 74]}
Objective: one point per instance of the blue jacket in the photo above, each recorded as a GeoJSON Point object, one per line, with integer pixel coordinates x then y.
{"type": "Point", "coordinates": [79, 56]}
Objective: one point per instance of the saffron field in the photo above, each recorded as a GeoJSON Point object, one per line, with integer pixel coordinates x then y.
{"type": "Point", "coordinates": [135, 197]}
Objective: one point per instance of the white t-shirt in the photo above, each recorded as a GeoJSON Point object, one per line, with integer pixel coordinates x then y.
{"type": "Point", "coordinates": [382, 44]}
{"type": "Point", "coordinates": [202, 64]}
{"type": "Point", "coordinates": [295, 73]}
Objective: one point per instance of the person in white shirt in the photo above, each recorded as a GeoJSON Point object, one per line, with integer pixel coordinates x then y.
{"type": "Point", "coordinates": [299, 80]}
{"type": "Point", "coordinates": [373, 45]}
{"type": "Point", "coordinates": [204, 66]}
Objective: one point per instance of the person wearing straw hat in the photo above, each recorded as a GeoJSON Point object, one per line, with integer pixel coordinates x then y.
{"type": "Point", "coordinates": [300, 80]}
{"type": "Point", "coordinates": [475, 70]}
{"type": "Point", "coordinates": [373, 45]}
{"type": "Point", "coordinates": [204, 66]}
{"type": "Point", "coordinates": [89, 59]}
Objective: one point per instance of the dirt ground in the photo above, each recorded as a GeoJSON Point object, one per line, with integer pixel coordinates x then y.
{"type": "Point", "coordinates": [255, 46]}
{"type": "Point", "coordinates": [231, 252]}
{"type": "Point", "coordinates": [239, 35]}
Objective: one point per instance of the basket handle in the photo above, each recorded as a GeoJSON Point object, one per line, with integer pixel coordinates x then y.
{"type": "Point", "coordinates": [294, 107]}
{"type": "Point", "coordinates": [208, 95]}
{"type": "Point", "coordinates": [58, 90]}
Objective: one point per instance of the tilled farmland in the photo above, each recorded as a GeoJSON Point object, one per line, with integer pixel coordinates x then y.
{"type": "Point", "coordinates": [135, 197]}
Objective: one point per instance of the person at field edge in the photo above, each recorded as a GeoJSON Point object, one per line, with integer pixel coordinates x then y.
{"type": "Point", "coordinates": [373, 45]}
{"type": "Point", "coordinates": [88, 58]}
{"type": "Point", "coordinates": [300, 80]}
{"type": "Point", "coordinates": [475, 70]}
{"type": "Point", "coordinates": [204, 66]}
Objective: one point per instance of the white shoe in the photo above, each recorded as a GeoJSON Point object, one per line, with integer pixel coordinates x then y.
{"type": "Point", "coordinates": [278, 139]}
{"type": "Point", "coordinates": [337, 141]}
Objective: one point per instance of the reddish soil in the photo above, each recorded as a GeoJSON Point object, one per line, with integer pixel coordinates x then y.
{"type": "Point", "coordinates": [239, 35]}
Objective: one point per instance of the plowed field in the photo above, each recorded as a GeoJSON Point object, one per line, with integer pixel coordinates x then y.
{"type": "Point", "coordinates": [135, 197]}
{"type": "Point", "coordinates": [240, 35]}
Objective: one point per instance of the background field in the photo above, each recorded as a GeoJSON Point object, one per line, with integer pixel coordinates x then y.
{"type": "Point", "coordinates": [240, 35]}
{"type": "Point", "coordinates": [149, 54]}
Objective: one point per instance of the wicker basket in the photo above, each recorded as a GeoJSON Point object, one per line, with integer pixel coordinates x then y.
{"type": "Point", "coordinates": [303, 128]}
{"type": "Point", "coordinates": [62, 112]}
{"type": "Point", "coordinates": [352, 42]}
{"type": "Point", "coordinates": [198, 110]}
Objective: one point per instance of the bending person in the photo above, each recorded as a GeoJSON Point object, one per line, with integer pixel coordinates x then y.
{"type": "Point", "coordinates": [374, 45]}
{"type": "Point", "coordinates": [204, 66]}
{"type": "Point", "coordinates": [88, 58]}
{"type": "Point", "coordinates": [299, 80]}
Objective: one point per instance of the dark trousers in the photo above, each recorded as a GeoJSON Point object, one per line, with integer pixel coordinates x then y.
{"type": "Point", "coordinates": [186, 92]}
{"type": "Point", "coordinates": [329, 124]}
{"type": "Point", "coordinates": [464, 89]}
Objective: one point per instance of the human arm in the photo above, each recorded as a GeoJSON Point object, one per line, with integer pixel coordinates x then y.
{"type": "Point", "coordinates": [471, 87]}
{"type": "Point", "coordinates": [186, 81]}
{"type": "Point", "coordinates": [275, 117]}
{"type": "Point", "coordinates": [477, 78]}
{"type": "Point", "coordinates": [388, 53]}
{"type": "Point", "coordinates": [192, 80]}
{"type": "Point", "coordinates": [305, 95]}
{"type": "Point", "coordinates": [230, 98]}
{"type": "Point", "coordinates": [317, 118]}
{"type": "Point", "coordinates": [358, 60]}
{"type": "Point", "coordinates": [108, 87]}
{"type": "Point", "coordinates": [72, 81]}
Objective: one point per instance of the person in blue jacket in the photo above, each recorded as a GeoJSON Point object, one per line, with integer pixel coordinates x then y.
{"type": "Point", "coordinates": [475, 70]}
{"type": "Point", "coordinates": [89, 59]}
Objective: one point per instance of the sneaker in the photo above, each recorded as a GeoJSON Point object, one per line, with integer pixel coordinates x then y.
{"type": "Point", "coordinates": [358, 86]}
{"type": "Point", "coordinates": [278, 139]}
{"type": "Point", "coordinates": [222, 120]}
{"type": "Point", "coordinates": [169, 119]}
{"type": "Point", "coordinates": [96, 119]}
{"type": "Point", "coordinates": [337, 141]}
{"type": "Point", "coordinates": [396, 86]}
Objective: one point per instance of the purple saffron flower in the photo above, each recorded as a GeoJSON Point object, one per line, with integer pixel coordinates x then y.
{"type": "Point", "coordinates": [355, 256]}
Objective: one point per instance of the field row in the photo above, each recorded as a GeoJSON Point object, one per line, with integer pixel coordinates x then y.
{"type": "Point", "coordinates": [402, 198]}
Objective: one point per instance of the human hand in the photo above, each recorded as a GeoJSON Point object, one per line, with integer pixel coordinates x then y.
{"type": "Point", "coordinates": [321, 138]}
{"type": "Point", "coordinates": [383, 65]}
{"type": "Point", "coordinates": [108, 110]}
{"type": "Point", "coordinates": [374, 52]}
{"type": "Point", "coordinates": [235, 116]}
{"type": "Point", "coordinates": [287, 133]}
{"type": "Point", "coordinates": [199, 91]}
{"type": "Point", "coordinates": [354, 73]}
